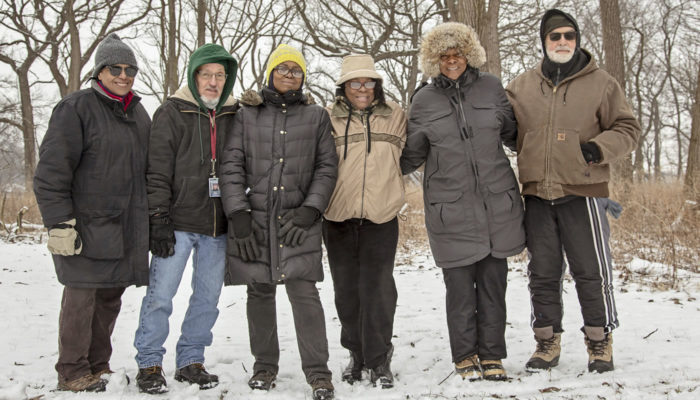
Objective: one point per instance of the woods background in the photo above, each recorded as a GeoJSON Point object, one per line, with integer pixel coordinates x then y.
{"type": "Point", "coordinates": [651, 47]}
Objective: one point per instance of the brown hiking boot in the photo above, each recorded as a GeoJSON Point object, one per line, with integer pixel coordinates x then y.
{"type": "Point", "coordinates": [262, 380]}
{"type": "Point", "coordinates": [322, 389]}
{"type": "Point", "coordinates": [469, 368]}
{"type": "Point", "coordinates": [151, 380]}
{"type": "Point", "coordinates": [600, 357]}
{"type": "Point", "coordinates": [548, 349]}
{"type": "Point", "coordinates": [493, 370]}
{"type": "Point", "coordinates": [196, 374]}
{"type": "Point", "coordinates": [86, 383]}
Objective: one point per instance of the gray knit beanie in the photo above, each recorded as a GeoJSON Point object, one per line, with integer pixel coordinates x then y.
{"type": "Point", "coordinates": [113, 51]}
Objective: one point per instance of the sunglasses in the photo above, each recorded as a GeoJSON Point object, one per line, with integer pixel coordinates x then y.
{"type": "Point", "coordinates": [358, 85]}
{"type": "Point", "coordinates": [556, 36]}
{"type": "Point", "coordinates": [284, 70]}
{"type": "Point", "coordinates": [116, 70]}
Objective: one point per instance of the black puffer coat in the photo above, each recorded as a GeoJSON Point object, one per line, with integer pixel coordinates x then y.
{"type": "Point", "coordinates": [472, 200]}
{"type": "Point", "coordinates": [280, 155]}
{"type": "Point", "coordinates": [92, 167]}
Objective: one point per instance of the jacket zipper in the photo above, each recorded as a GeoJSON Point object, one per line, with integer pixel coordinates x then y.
{"type": "Point", "coordinates": [364, 168]}
{"type": "Point", "coordinates": [475, 169]}
{"type": "Point", "coordinates": [548, 148]}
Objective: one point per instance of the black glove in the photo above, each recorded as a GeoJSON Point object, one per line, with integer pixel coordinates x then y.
{"type": "Point", "coordinates": [162, 236]}
{"type": "Point", "coordinates": [591, 152]}
{"type": "Point", "coordinates": [295, 223]}
{"type": "Point", "coordinates": [245, 245]}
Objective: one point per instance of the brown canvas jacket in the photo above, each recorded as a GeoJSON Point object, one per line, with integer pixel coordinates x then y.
{"type": "Point", "coordinates": [554, 120]}
{"type": "Point", "coordinates": [370, 184]}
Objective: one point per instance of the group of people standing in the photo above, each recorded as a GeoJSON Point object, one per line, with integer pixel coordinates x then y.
{"type": "Point", "coordinates": [251, 188]}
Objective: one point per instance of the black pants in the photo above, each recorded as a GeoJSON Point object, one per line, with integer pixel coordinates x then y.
{"type": "Point", "coordinates": [309, 324]}
{"type": "Point", "coordinates": [361, 257]}
{"type": "Point", "coordinates": [579, 227]}
{"type": "Point", "coordinates": [476, 309]}
{"type": "Point", "coordinates": [85, 329]}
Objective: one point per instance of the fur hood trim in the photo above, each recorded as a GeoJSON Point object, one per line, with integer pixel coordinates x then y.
{"type": "Point", "coordinates": [252, 98]}
{"type": "Point", "coordinates": [450, 35]}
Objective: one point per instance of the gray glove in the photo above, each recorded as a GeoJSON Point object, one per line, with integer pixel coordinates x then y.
{"type": "Point", "coordinates": [294, 225]}
{"type": "Point", "coordinates": [64, 240]}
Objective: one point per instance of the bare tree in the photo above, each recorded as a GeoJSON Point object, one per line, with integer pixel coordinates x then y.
{"type": "Point", "coordinates": [484, 20]}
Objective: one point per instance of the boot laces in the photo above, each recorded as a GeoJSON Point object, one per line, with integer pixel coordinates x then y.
{"type": "Point", "coordinates": [153, 370]}
{"type": "Point", "coordinates": [598, 347]}
{"type": "Point", "coordinates": [544, 345]}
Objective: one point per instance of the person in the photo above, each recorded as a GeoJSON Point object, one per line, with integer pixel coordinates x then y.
{"type": "Point", "coordinates": [573, 123]}
{"type": "Point", "coordinates": [278, 173]}
{"type": "Point", "coordinates": [458, 125]}
{"type": "Point", "coordinates": [360, 226]}
{"type": "Point", "coordinates": [186, 217]}
{"type": "Point", "coordinates": [90, 185]}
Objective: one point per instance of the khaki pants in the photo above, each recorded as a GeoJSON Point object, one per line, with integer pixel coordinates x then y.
{"type": "Point", "coordinates": [84, 330]}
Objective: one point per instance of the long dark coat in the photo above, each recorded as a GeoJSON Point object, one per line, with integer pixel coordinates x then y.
{"type": "Point", "coordinates": [280, 155]}
{"type": "Point", "coordinates": [473, 206]}
{"type": "Point", "coordinates": [92, 167]}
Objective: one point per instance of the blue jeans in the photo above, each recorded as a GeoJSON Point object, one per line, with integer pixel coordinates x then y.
{"type": "Point", "coordinates": [208, 263]}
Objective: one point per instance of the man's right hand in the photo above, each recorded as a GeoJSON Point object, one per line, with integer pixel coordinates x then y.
{"type": "Point", "coordinates": [162, 236]}
{"type": "Point", "coordinates": [64, 240]}
{"type": "Point", "coordinates": [245, 245]}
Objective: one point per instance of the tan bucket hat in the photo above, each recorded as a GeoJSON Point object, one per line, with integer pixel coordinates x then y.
{"type": "Point", "coordinates": [357, 66]}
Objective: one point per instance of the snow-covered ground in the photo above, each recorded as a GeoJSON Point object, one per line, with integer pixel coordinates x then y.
{"type": "Point", "coordinates": [656, 349]}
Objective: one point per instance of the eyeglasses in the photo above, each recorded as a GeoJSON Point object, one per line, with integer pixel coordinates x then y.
{"type": "Point", "coordinates": [556, 36]}
{"type": "Point", "coordinates": [220, 77]}
{"type": "Point", "coordinates": [447, 57]}
{"type": "Point", "coordinates": [358, 85]}
{"type": "Point", "coordinates": [116, 70]}
{"type": "Point", "coordinates": [285, 70]}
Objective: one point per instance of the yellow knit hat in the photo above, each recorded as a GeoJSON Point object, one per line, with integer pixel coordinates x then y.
{"type": "Point", "coordinates": [282, 53]}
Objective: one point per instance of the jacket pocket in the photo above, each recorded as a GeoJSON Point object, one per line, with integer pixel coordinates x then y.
{"type": "Point", "coordinates": [531, 156]}
{"type": "Point", "coordinates": [447, 212]}
{"type": "Point", "coordinates": [504, 202]}
{"type": "Point", "coordinates": [102, 234]}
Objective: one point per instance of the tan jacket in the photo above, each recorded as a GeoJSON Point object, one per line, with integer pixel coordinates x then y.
{"type": "Point", "coordinates": [553, 121]}
{"type": "Point", "coordinates": [370, 184]}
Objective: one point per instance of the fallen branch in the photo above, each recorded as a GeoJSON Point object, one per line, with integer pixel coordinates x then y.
{"type": "Point", "coordinates": [651, 333]}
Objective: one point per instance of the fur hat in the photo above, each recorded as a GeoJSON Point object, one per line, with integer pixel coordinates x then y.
{"type": "Point", "coordinates": [450, 35]}
{"type": "Point", "coordinates": [113, 51]}
{"type": "Point", "coordinates": [357, 66]}
{"type": "Point", "coordinates": [283, 53]}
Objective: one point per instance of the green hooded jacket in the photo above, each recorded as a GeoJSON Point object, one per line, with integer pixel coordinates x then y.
{"type": "Point", "coordinates": [212, 53]}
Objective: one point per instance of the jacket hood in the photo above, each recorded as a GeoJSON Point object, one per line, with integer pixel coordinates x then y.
{"type": "Point", "coordinates": [211, 53]}
{"type": "Point", "coordinates": [450, 35]}
{"type": "Point", "coordinates": [554, 13]}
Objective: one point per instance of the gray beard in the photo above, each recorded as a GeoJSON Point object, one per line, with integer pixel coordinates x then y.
{"type": "Point", "coordinates": [210, 103]}
{"type": "Point", "coordinates": [559, 58]}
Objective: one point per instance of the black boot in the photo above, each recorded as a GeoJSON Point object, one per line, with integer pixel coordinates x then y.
{"type": "Point", "coordinates": [382, 373]}
{"type": "Point", "coordinates": [151, 380]}
{"type": "Point", "coordinates": [353, 372]}
{"type": "Point", "coordinates": [196, 374]}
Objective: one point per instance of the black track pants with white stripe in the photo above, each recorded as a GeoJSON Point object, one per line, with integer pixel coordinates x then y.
{"type": "Point", "coordinates": [579, 228]}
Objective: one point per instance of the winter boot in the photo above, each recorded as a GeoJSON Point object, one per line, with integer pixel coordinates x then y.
{"type": "Point", "coordinates": [107, 373]}
{"type": "Point", "coordinates": [322, 389]}
{"type": "Point", "coordinates": [493, 370]}
{"type": "Point", "coordinates": [151, 380]}
{"type": "Point", "coordinates": [383, 373]}
{"type": "Point", "coordinates": [599, 346]}
{"type": "Point", "coordinates": [353, 372]}
{"type": "Point", "coordinates": [548, 349]}
{"type": "Point", "coordinates": [86, 383]}
{"type": "Point", "coordinates": [196, 374]}
{"type": "Point", "coordinates": [469, 368]}
{"type": "Point", "coordinates": [262, 380]}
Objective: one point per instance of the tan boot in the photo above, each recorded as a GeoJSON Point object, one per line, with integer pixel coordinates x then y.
{"type": "Point", "coordinates": [493, 370]}
{"type": "Point", "coordinates": [599, 347]}
{"type": "Point", "coordinates": [548, 349]}
{"type": "Point", "coordinates": [86, 383]}
{"type": "Point", "coordinates": [469, 368]}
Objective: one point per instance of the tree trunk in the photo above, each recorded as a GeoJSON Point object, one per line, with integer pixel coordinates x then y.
{"type": "Point", "coordinates": [485, 23]}
{"type": "Point", "coordinates": [28, 133]}
{"type": "Point", "coordinates": [615, 65]}
{"type": "Point", "coordinates": [692, 172]}
{"type": "Point", "coordinates": [75, 65]}
{"type": "Point", "coordinates": [201, 22]}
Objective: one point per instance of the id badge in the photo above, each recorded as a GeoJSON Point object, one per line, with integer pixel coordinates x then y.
{"type": "Point", "coordinates": [214, 190]}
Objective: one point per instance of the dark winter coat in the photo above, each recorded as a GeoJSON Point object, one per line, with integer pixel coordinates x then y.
{"type": "Point", "coordinates": [179, 163]}
{"type": "Point", "coordinates": [472, 201]}
{"type": "Point", "coordinates": [280, 155]}
{"type": "Point", "coordinates": [92, 167]}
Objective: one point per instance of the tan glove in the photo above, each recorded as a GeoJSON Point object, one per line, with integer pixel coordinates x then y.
{"type": "Point", "coordinates": [64, 240]}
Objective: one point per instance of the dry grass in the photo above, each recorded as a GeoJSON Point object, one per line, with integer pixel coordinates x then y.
{"type": "Point", "coordinates": [657, 225]}
{"type": "Point", "coordinates": [15, 206]}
